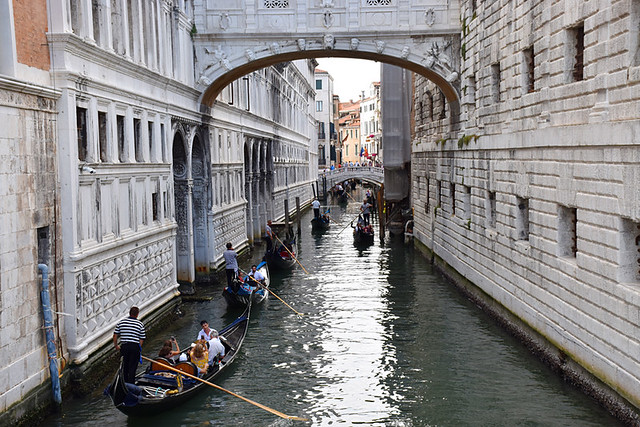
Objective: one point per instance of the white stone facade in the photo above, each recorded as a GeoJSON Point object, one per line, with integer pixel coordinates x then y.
{"type": "Point", "coordinates": [148, 183]}
{"type": "Point", "coordinates": [534, 194]}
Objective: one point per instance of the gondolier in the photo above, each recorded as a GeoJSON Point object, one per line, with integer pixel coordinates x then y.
{"type": "Point", "coordinates": [316, 208]}
{"type": "Point", "coordinates": [231, 265]}
{"type": "Point", "coordinates": [132, 335]}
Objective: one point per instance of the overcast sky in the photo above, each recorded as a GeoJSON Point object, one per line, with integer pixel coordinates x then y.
{"type": "Point", "coordinates": [350, 76]}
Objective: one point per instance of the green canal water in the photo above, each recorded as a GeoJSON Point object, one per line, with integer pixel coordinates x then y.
{"type": "Point", "coordinates": [383, 341]}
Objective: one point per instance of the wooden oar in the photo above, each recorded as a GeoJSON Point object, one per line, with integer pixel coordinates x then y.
{"type": "Point", "coordinates": [272, 293]}
{"type": "Point", "coordinates": [259, 405]}
{"type": "Point", "coordinates": [290, 253]}
{"type": "Point", "coordinates": [350, 224]}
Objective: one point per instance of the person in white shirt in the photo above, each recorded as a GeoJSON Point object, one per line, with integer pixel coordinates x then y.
{"type": "Point", "coordinates": [257, 275]}
{"type": "Point", "coordinates": [216, 349]}
{"type": "Point", "coordinates": [205, 332]}
{"type": "Point", "coordinates": [316, 208]}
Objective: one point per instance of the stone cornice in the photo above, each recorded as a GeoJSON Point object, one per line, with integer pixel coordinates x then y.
{"type": "Point", "coordinates": [15, 85]}
{"type": "Point", "coordinates": [74, 45]}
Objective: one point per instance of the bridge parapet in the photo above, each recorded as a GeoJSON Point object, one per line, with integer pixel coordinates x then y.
{"type": "Point", "coordinates": [371, 174]}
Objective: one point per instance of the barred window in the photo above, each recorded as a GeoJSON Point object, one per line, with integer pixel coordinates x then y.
{"type": "Point", "coordinates": [276, 4]}
{"type": "Point", "coordinates": [378, 2]}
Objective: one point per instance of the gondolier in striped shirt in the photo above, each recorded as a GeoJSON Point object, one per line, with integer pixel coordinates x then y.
{"type": "Point", "coordinates": [132, 335]}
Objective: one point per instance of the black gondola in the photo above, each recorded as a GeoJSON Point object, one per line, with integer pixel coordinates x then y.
{"type": "Point", "coordinates": [248, 289]}
{"type": "Point", "coordinates": [363, 235]}
{"type": "Point", "coordinates": [158, 389]}
{"type": "Point", "coordinates": [343, 197]}
{"type": "Point", "coordinates": [321, 223]}
{"type": "Point", "coordinates": [279, 258]}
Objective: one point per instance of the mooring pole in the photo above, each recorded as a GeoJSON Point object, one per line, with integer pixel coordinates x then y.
{"type": "Point", "coordinates": [298, 214]}
{"type": "Point", "coordinates": [287, 219]}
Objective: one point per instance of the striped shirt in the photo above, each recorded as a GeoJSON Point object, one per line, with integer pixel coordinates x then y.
{"type": "Point", "coordinates": [130, 330]}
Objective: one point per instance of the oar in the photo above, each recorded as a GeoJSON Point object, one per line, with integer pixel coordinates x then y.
{"type": "Point", "coordinates": [272, 293]}
{"type": "Point", "coordinates": [290, 253]}
{"type": "Point", "coordinates": [350, 224]}
{"type": "Point", "coordinates": [259, 405]}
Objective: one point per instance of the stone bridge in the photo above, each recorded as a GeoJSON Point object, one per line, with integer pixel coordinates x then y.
{"type": "Point", "coordinates": [235, 37]}
{"type": "Point", "coordinates": [372, 174]}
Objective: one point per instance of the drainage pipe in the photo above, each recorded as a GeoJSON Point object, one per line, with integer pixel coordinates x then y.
{"type": "Point", "coordinates": [48, 328]}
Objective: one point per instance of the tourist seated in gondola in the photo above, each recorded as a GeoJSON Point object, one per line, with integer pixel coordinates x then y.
{"type": "Point", "coordinates": [199, 356]}
{"type": "Point", "coordinates": [205, 332]}
{"type": "Point", "coordinates": [256, 275]}
{"type": "Point", "coordinates": [216, 349]}
{"type": "Point", "coordinates": [167, 350]}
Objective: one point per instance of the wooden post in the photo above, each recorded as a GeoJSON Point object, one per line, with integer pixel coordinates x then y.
{"type": "Point", "coordinates": [287, 219]}
{"type": "Point", "coordinates": [298, 214]}
{"type": "Point", "coordinates": [381, 218]}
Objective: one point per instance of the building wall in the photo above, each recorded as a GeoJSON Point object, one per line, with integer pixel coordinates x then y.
{"type": "Point", "coordinates": [28, 231]}
{"type": "Point", "coordinates": [535, 198]}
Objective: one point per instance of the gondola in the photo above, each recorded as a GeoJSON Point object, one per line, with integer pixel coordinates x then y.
{"type": "Point", "coordinates": [158, 389]}
{"type": "Point", "coordinates": [248, 289]}
{"type": "Point", "coordinates": [363, 235]}
{"type": "Point", "coordinates": [321, 223]}
{"type": "Point", "coordinates": [279, 258]}
{"type": "Point", "coordinates": [343, 197]}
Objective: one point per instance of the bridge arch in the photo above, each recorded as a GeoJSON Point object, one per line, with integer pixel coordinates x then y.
{"type": "Point", "coordinates": [447, 78]}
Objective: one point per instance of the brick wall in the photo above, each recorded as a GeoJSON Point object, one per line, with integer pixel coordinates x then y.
{"type": "Point", "coordinates": [30, 19]}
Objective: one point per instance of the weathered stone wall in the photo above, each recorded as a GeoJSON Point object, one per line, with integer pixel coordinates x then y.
{"type": "Point", "coordinates": [536, 199]}
{"type": "Point", "coordinates": [28, 233]}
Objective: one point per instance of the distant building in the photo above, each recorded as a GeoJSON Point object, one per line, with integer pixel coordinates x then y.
{"type": "Point", "coordinates": [324, 113]}
{"type": "Point", "coordinates": [370, 129]}
{"type": "Point", "coordinates": [349, 131]}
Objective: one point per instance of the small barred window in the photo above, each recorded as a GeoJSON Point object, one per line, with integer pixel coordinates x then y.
{"type": "Point", "coordinates": [378, 2]}
{"type": "Point", "coordinates": [276, 4]}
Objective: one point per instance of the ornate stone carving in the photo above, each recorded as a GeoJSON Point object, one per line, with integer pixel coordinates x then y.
{"type": "Point", "coordinates": [302, 44]}
{"type": "Point", "coordinates": [380, 45]}
{"type": "Point", "coordinates": [328, 19]}
{"type": "Point", "coordinates": [405, 52]}
{"type": "Point", "coordinates": [436, 56]}
{"type": "Point", "coordinates": [104, 291]}
{"type": "Point", "coordinates": [327, 3]}
{"type": "Point", "coordinates": [328, 41]}
{"type": "Point", "coordinates": [430, 16]}
{"type": "Point", "coordinates": [251, 56]}
{"type": "Point", "coordinates": [274, 48]}
{"type": "Point", "coordinates": [224, 21]}
{"type": "Point", "coordinates": [354, 43]}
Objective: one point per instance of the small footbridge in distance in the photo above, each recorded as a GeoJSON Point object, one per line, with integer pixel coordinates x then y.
{"type": "Point", "coordinates": [370, 174]}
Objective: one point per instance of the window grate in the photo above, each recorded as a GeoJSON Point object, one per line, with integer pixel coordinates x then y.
{"type": "Point", "coordinates": [276, 4]}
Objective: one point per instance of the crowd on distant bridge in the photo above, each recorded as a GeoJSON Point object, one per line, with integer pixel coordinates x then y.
{"type": "Point", "coordinates": [369, 163]}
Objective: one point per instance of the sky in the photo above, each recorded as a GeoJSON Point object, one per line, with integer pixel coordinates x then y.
{"type": "Point", "coordinates": [350, 76]}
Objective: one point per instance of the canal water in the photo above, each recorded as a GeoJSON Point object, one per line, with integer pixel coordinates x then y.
{"type": "Point", "coordinates": [383, 340]}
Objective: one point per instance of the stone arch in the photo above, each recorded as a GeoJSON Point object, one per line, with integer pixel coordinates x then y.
{"type": "Point", "coordinates": [436, 64]}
